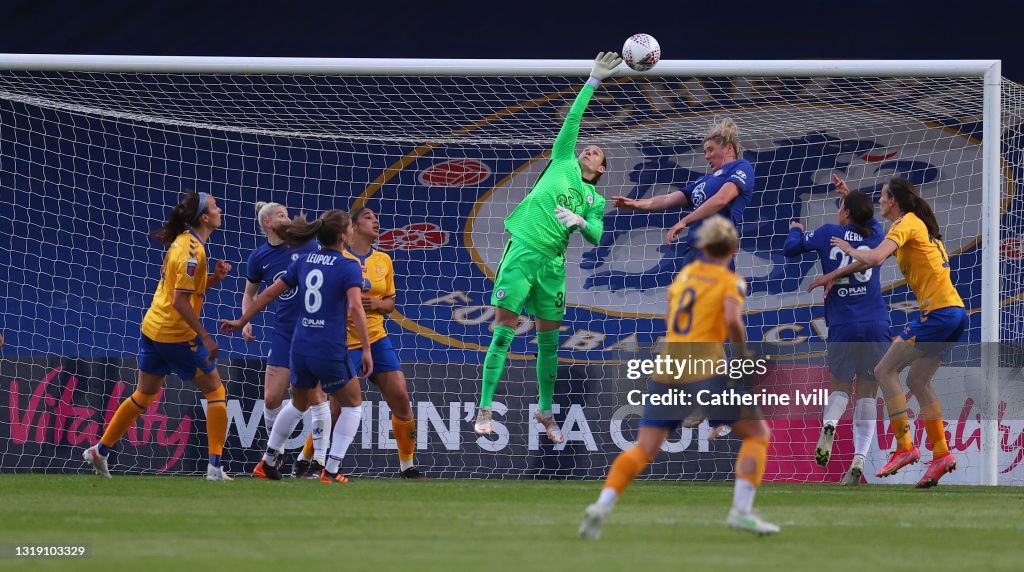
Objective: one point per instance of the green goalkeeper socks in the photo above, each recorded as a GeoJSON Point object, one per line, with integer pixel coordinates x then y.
{"type": "Point", "coordinates": [494, 363]}
{"type": "Point", "coordinates": [547, 367]}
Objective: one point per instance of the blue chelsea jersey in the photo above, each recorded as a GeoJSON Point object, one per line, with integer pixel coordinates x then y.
{"type": "Point", "coordinates": [323, 280]}
{"type": "Point", "coordinates": [739, 172]}
{"type": "Point", "coordinates": [854, 298]}
{"type": "Point", "coordinates": [268, 263]}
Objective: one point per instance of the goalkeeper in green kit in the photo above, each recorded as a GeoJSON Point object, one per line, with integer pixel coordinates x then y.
{"type": "Point", "coordinates": [532, 269]}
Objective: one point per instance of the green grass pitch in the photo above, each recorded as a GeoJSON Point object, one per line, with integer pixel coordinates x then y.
{"type": "Point", "coordinates": [177, 523]}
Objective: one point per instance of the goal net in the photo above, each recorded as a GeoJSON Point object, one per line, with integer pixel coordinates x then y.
{"type": "Point", "coordinates": [92, 161]}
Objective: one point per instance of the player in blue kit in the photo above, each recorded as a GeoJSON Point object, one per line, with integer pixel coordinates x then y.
{"type": "Point", "coordinates": [724, 191]}
{"type": "Point", "coordinates": [916, 240]}
{"type": "Point", "coordinates": [330, 286]}
{"type": "Point", "coordinates": [265, 265]}
{"type": "Point", "coordinates": [857, 320]}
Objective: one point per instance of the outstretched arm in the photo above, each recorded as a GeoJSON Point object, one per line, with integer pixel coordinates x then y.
{"type": "Point", "coordinates": [653, 204]}
{"type": "Point", "coordinates": [565, 143]}
{"type": "Point", "coordinates": [826, 280]}
{"type": "Point", "coordinates": [262, 301]}
{"type": "Point", "coordinates": [872, 257]}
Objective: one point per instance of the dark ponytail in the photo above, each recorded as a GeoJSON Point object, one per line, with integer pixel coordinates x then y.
{"type": "Point", "coordinates": [354, 213]}
{"type": "Point", "coordinates": [327, 229]}
{"type": "Point", "coordinates": [861, 210]}
{"type": "Point", "coordinates": [905, 195]}
{"type": "Point", "coordinates": [181, 215]}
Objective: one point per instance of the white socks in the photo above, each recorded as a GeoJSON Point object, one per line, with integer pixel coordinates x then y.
{"type": "Point", "coordinates": [837, 402]}
{"type": "Point", "coordinates": [864, 413]}
{"type": "Point", "coordinates": [743, 495]}
{"type": "Point", "coordinates": [287, 419]}
{"type": "Point", "coordinates": [321, 424]}
{"type": "Point", "coordinates": [270, 415]}
{"type": "Point", "coordinates": [344, 432]}
{"type": "Point", "coordinates": [607, 498]}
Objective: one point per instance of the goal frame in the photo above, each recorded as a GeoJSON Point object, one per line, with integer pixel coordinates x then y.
{"type": "Point", "coordinates": [987, 71]}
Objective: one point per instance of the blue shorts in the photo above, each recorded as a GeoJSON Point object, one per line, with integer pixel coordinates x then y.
{"type": "Point", "coordinates": [856, 348]}
{"type": "Point", "coordinates": [187, 359]}
{"type": "Point", "coordinates": [671, 416]}
{"type": "Point", "coordinates": [384, 358]}
{"type": "Point", "coordinates": [933, 333]}
{"type": "Point", "coordinates": [280, 348]}
{"type": "Point", "coordinates": [331, 374]}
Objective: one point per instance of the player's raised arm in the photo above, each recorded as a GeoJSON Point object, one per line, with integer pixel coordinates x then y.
{"type": "Point", "coordinates": [841, 189]}
{"type": "Point", "coordinates": [794, 245]}
{"type": "Point", "coordinates": [564, 147]}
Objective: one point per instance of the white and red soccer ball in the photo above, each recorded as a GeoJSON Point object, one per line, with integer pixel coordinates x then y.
{"type": "Point", "coordinates": [641, 52]}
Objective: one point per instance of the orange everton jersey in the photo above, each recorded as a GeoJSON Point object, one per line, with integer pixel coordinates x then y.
{"type": "Point", "coordinates": [924, 264]}
{"type": "Point", "coordinates": [184, 270]}
{"type": "Point", "coordinates": [695, 325]}
{"type": "Point", "coordinates": [379, 283]}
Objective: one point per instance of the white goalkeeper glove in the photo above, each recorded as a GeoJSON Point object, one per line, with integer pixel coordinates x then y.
{"type": "Point", "coordinates": [605, 65]}
{"type": "Point", "coordinates": [569, 219]}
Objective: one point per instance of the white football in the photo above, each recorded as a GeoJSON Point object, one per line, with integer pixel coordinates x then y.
{"type": "Point", "coordinates": [641, 52]}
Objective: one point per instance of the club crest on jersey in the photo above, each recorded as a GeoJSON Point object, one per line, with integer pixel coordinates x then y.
{"type": "Point", "coordinates": [697, 196]}
{"type": "Point", "coordinates": [289, 293]}
{"type": "Point", "coordinates": [190, 267]}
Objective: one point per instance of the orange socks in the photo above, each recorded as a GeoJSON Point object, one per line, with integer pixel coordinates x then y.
{"type": "Point", "coordinates": [752, 458]}
{"type": "Point", "coordinates": [216, 420]}
{"type": "Point", "coordinates": [405, 435]}
{"type": "Point", "coordinates": [935, 429]}
{"type": "Point", "coordinates": [899, 421]}
{"type": "Point", "coordinates": [626, 467]}
{"type": "Point", "coordinates": [125, 416]}
{"type": "Point", "coordinates": [307, 449]}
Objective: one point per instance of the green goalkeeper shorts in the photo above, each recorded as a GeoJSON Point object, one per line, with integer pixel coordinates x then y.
{"type": "Point", "coordinates": [530, 279]}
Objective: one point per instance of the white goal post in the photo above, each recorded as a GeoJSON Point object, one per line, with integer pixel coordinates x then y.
{"type": "Point", "coordinates": [65, 113]}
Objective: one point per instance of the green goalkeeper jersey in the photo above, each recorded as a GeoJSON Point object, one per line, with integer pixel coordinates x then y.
{"type": "Point", "coordinates": [533, 221]}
